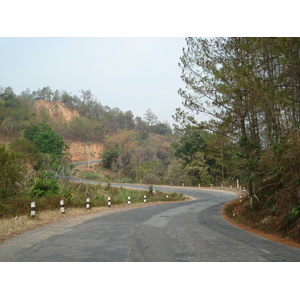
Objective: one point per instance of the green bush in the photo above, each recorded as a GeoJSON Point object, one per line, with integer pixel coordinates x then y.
{"type": "Point", "coordinates": [45, 188]}
{"type": "Point", "coordinates": [99, 200]}
{"type": "Point", "coordinates": [90, 176]}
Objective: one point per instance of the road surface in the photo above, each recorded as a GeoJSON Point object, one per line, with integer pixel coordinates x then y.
{"type": "Point", "coordinates": [190, 231]}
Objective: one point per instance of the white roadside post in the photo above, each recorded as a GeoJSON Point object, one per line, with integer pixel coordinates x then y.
{"type": "Point", "coordinates": [109, 203]}
{"type": "Point", "coordinates": [145, 198]}
{"type": "Point", "coordinates": [167, 197]}
{"type": "Point", "coordinates": [128, 199]}
{"type": "Point", "coordinates": [88, 206]}
{"type": "Point", "coordinates": [33, 209]}
{"type": "Point", "coordinates": [62, 206]}
{"type": "Point", "coordinates": [240, 197]}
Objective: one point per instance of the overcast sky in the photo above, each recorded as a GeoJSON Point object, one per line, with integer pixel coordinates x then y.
{"type": "Point", "coordinates": [129, 73]}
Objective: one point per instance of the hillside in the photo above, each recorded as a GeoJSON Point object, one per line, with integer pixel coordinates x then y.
{"type": "Point", "coordinates": [56, 110]}
{"type": "Point", "coordinates": [79, 151]}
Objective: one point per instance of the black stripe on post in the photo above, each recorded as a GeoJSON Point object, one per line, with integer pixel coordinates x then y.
{"type": "Point", "coordinates": [33, 209]}
{"type": "Point", "coordinates": [62, 206]}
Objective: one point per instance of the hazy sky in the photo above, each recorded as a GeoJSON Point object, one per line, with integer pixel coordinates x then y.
{"type": "Point", "coordinates": [74, 45]}
{"type": "Point", "coordinates": [129, 73]}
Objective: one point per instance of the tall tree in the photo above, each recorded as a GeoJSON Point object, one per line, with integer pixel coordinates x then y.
{"type": "Point", "coordinates": [250, 88]}
{"type": "Point", "coordinates": [150, 117]}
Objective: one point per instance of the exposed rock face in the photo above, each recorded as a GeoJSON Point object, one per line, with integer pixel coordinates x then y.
{"type": "Point", "coordinates": [79, 151]}
{"type": "Point", "coordinates": [56, 110]}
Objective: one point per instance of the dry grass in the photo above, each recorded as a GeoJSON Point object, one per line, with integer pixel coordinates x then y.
{"type": "Point", "coordinates": [13, 226]}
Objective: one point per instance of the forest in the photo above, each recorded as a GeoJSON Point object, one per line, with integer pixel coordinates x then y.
{"type": "Point", "coordinates": [249, 88]}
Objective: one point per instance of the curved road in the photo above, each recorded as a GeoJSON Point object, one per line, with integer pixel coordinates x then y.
{"type": "Point", "coordinates": [191, 231]}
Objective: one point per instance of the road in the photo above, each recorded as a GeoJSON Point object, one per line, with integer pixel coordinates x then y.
{"type": "Point", "coordinates": [190, 231]}
{"type": "Point", "coordinates": [86, 162]}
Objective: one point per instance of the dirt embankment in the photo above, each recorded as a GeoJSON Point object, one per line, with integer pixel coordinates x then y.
{"type": "Point", "coordinates": [80, 151]}
{"type": "Point", "coordinates": [248, 227]}
{"type": "Point", "coordinates": [56, 110]}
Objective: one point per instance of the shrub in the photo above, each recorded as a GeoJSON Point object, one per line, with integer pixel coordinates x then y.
{"type": "Point", "coordinates": [11, 173]}
{"type": "Point", "coordinates": [90, 176]}
{"type": "Point", "coordinates": [45, 188]}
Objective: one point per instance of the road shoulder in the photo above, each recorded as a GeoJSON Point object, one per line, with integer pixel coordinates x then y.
{"type": "Point", "coordinates": [272, 237]}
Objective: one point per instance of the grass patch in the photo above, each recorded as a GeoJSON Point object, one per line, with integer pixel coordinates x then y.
{"type": "Point", "coordinates": [75, 196]}
{"type": "Point", "coordinates": [90, 176]}
{"type": "Point", "coordinates": [16, 218]}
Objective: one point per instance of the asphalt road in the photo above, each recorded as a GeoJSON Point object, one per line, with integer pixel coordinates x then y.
{"type": "Point", "coordinates": [191, 231]}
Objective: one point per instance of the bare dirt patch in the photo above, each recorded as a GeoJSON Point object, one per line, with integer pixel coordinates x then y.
{"type": "Point", "coordinates": [80, 151]}
{"type": "Point", "coordinates": [56, 110]}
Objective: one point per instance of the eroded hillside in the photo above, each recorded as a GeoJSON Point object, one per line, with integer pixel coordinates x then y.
{"type": "Point", "coordinates": [56, 110]}
{"type": "Point", "coordinates": [79, 151]}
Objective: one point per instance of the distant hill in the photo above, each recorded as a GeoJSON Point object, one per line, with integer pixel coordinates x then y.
{"type": "Point", "coordinates": [83, 122]}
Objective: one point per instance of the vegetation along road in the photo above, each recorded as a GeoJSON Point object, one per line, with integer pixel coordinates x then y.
{"type": "Point", "coordinates": [189, 231]}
